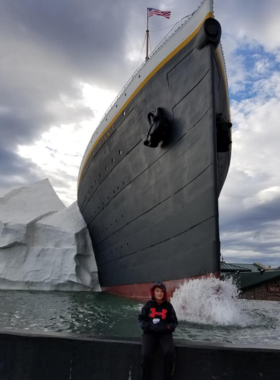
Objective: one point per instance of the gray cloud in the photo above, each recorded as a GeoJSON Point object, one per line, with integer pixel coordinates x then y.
{"type": "Point", "coordinates": [48, 49]}
{"type": "Point", "coordinates": [85, 38]}
{"type": "Point", "coordinates": [247, 219]}
{"type": "Point", "coordinates": [16, 171]}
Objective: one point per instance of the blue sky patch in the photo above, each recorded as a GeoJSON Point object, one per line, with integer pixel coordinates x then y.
{"type": "Point", "coordinates": [258, 65]}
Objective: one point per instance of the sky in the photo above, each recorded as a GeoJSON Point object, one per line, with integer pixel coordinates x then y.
{"type": "Point", "coordinates": [64, 61]}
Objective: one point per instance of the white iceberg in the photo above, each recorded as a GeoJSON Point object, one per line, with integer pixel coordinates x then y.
{"type": "Point", "coordinates": [43, 244]}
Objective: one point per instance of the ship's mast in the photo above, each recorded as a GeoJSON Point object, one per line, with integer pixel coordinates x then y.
{"type": "Point", "coordinates": [147, 37]}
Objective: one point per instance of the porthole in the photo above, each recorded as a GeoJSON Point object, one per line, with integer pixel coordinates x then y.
{"type": "Point", "coordinates": [113, 160]}
{"type": "Point", "coordinates": [125, 94]}
{"type": "Point", "coordinates": [139, 76]}
{"type": "Point", "coordinates": [100, 175]}
{"type": "Point", "coordinates": [120, 152]}
{"type": "Point", "coordinates": [123, 113]}
{"type": "Point", "coordinates": [106, 167]}
{"type": "Point", "coordinates": [116, 105]}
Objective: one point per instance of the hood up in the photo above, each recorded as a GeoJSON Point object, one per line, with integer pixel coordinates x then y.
{"type": "Point", "coordinates": [159, 285]}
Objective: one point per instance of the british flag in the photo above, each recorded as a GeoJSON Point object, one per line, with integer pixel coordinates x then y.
{"type": "Point", "coordinates": [153, 11]}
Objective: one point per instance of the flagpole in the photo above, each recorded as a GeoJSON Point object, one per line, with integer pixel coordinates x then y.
{"type": "Point", "coordinates": [147, 37]}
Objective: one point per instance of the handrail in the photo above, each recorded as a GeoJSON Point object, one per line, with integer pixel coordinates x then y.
{"type": "Point", "coordinates": [168, 36]}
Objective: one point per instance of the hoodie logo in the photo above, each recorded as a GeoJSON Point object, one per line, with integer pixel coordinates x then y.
{"type": "Point", "coordinates": [154, 313]}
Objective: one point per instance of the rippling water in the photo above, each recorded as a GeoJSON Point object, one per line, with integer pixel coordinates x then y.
{"type": "Point", "coordinates": [73, 312]}
{"type": "Point", "coordinates": [223, 319]}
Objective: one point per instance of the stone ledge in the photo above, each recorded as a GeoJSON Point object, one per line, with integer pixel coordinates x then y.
{"type": "Point", "coordinates": [54, 356]}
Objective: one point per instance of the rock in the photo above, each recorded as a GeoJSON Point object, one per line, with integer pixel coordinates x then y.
{"type": "Point", "coordinates": [43, 244]}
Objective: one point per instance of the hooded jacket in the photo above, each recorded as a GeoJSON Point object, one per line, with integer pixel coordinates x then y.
{"type": "Point", "coordinates": [153, 310]}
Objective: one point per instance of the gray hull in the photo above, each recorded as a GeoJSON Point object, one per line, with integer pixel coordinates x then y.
{"type": "Point", "coordinates": [152, 213]}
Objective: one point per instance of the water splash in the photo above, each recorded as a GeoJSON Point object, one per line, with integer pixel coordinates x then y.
{"type": "Point", "coordinates": [210, 301]}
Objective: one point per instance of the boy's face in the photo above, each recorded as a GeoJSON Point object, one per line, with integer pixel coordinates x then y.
{"type": "Point", "coordinates": [159, 294]}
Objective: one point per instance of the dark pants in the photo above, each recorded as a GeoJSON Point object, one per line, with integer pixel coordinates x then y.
{"type": "Point", "coordinates": [149, 343]}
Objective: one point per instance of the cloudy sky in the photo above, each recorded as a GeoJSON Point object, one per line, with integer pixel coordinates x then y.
{"type": "Point", "coordinates": [64, 61]}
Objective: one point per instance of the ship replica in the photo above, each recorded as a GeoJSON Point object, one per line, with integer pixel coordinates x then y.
{"type": "Point", "coordinates": [153, 170]}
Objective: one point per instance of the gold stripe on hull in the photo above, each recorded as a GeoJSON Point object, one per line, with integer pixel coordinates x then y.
{"type": "Point", "coordinates": [152, 73]}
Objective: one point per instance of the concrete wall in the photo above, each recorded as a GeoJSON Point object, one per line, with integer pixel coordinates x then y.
{"type": "Point", "coordinates": [261, 292]}
{"type": "Point", "coordinates": [30, 356]}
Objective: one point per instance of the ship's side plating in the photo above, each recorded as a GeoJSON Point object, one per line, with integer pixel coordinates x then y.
{"type": "Point", "coordinates": [152, 213]}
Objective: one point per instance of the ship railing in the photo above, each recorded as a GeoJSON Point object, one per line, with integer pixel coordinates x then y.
{"type": "Point", "coordinates": [179, 25]}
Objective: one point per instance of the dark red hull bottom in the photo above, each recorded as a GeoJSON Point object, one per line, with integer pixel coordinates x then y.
{"type": "Point", "coordinates": [142, 291]}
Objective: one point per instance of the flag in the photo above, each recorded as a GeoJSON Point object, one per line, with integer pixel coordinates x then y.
{"type": "Point", "coordinates": [153, 11]}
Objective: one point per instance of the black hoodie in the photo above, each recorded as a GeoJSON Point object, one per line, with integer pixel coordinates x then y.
{"type": "Point", "coordinates": [162, 310]}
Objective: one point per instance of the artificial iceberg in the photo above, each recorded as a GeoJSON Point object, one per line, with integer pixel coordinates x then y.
{"type": "Point", "coordinates": [43, 244]}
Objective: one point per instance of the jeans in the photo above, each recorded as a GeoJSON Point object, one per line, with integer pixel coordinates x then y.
{"type": "Point", "coordinates": [149, 343]}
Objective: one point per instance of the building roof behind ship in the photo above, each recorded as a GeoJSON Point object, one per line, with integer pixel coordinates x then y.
{"type": "Point", "coordinates": [233, 267]}
{"type": "Point", "coordinates": [249, 275]}
{"type": "Point", "coordinates": [255, 267]}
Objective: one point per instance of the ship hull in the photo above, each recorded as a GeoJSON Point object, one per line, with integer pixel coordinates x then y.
{"type": "Point", "coordinates": [152, 213]}
{"type": "Point", "coordinates": [139, 291]}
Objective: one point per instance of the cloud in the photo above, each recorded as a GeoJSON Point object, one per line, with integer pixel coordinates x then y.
{"type": "Point", "coordinates": [62, 65]}
{"type": "Point", "coordinates": [256, 22]}
{"type": "Point", "coordinates": [59, 151]}
{"type": "Point", "coordinates": [16, 172]}
{"type": "Point", "coordinates": [48, 51]}
{"type": "Point", "coordinates": [250, 200]}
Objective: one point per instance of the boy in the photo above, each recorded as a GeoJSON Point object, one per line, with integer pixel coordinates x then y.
{"type": "Point", "coordinates": [158, 320]}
